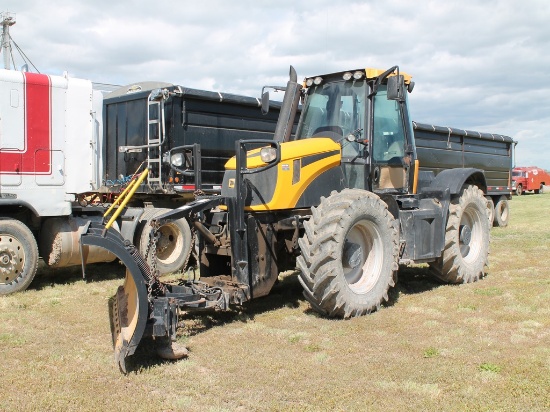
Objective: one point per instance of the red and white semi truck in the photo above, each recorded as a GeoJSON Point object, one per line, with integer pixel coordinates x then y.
{"type": "Point", "coordinates": [67, 151]}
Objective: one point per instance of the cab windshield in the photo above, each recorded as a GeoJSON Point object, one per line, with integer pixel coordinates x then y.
{"type": "Point", "coordinates": [335, 110]}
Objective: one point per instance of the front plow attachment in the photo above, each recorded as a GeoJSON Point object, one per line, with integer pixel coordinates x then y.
{"type": "Point", "coordinates": [144, 306]}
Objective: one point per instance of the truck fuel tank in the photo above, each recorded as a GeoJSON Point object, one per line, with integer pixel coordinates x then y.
{"type": "Point", "coordinates": [60, 242]}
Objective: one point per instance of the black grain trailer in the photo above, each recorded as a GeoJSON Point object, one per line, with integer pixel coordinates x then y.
{"type": "Point", "coordinates": [441, 148]}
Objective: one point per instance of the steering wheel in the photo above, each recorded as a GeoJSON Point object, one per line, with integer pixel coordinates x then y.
{"type": "Point", "coordinates": [333, 132]}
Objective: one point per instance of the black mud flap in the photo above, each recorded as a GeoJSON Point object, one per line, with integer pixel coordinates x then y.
{"type": "Point", "coordinates": [130, 309]}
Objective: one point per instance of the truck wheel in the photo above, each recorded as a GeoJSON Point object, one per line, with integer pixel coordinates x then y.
{"type": "Point", "coordinates": [539, 190]}
{"type": "Point", "coordinates": [502, 212]}
{"type": "Point", "coordinates": [349, 254]}
{"type": "Point", "coordinates": [490, 210]}
{"type": "Point", "coordinates": [18, 256]}
{"type": "Point", "coordinates": [519, 190]}
{"type": "Point", "coordinates": [174, 244]}
{"type": "Point", "coordinates": [466, 252]}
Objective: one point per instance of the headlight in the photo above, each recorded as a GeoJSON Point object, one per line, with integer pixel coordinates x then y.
{"type": "Point", "coordinates": [309, 82]}
{"type": "Point", "coordinates": [177, 159]}
{"type": "Point", "coordinates": [317, 80]}
{"type": "Point", "coordinates": [347, 76]}
{"type": "Point", "coordinates": [358, 75]}
{"type": "Point", "coordinates": [268, 154]}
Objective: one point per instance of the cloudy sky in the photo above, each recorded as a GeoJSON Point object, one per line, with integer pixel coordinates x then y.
{"type": "Point", "coordinates": [478, 65]}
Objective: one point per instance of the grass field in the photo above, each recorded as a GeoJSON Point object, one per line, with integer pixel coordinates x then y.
{"type": "Point", "coordinates": [475, 347]}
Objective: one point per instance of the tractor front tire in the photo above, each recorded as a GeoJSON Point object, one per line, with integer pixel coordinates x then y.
{"type": "Point", "coordinates": [467, 236]}
{"type": "Point", "coordinates": [350, 254]}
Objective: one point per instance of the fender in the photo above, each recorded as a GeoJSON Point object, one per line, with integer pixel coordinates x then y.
{"type": "Point", "coordinates": [454, 179]}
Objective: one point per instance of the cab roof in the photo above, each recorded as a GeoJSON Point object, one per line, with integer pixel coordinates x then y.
{"type": "Point", "coordinates": [369, 72]}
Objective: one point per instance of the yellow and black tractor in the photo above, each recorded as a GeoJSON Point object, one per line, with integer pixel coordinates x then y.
{"type": "Point", "coordinates": [340, 199]}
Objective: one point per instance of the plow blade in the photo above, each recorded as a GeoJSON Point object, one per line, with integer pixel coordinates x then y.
{"type": "Point", "coordinates": [130, 307]}
{"type": "Point", "coordinates": [127, 323]}
{"type": "Point", "coordinates": [145, 306]}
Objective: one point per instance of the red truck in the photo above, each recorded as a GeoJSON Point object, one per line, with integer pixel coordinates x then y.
{"type": "Point", "coordinates": [529, 178]}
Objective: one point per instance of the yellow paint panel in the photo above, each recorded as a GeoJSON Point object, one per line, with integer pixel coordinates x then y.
{"type": "Point", "coordinates": [289, 151]}
{"type": "Point", "coordinates": [287, 194]}
{"type": "Point", "coordinates": [372, 73]}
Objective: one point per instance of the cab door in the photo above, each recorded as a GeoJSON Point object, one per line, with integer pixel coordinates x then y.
{"type": "Point", "coordinates": [390, 162]}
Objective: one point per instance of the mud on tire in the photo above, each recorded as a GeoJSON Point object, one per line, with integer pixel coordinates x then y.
{"type": "Point", "coordinates": [467, 236]}
{"type": "Point", "coordinates": [349, 256]}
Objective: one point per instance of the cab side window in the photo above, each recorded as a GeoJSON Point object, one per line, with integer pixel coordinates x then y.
{"type": "Point", "coordinates": [389, 134]}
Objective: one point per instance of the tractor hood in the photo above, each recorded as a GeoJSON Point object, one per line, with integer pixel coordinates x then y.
{"type": "Point", "coordinates": [284, 185]}
{"type": "Point", "coordinates": [298, 149]}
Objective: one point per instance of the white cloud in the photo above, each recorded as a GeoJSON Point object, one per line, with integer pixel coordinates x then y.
{"type": "Point", "coordinates": [477, 65]}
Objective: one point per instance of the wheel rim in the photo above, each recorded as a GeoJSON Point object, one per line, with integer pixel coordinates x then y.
{"type": "Point", "coordinates": [169, 244]}
{"type": "Point", "coordinates": [470, 235]}
{"type": "Point", "coordinates": [12, 258]}
{"type": "Point", "coordinates": [362, 257]}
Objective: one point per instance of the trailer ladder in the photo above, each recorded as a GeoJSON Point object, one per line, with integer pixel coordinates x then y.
{"type": "Point", "coordinates": [155, 138]}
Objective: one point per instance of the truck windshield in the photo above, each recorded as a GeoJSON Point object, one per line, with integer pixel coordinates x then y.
{"type": "Point", "coordinates": [335, 110]}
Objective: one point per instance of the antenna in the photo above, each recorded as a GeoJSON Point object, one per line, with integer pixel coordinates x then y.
{"type": "Point", "coordinates": [8, 19]}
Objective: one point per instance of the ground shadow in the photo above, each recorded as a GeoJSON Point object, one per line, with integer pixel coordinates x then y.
{"type": "Point", "coordinates": [287, 292]}
{"type": "Point", "coordinates": [48, 277]}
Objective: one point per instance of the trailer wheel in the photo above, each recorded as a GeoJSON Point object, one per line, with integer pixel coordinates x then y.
{"type": "Point", "coordinates": [502, 212]}
{"type": "Point", "coordinates": [173, 246]}
{"type": "Point", "coordinates": [349, 254]}
{"type": "Point", "coordinates": [466, 252]}
{"type": "Point", "coordinates": [18, 256]}
{"type": "Point", "coordinates": [490, 210]}
{"type": "Point", "coordinates": [519, 190]}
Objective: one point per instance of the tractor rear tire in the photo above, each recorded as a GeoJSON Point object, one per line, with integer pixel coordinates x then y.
{"type": "Point", "coordinates": [502, 212]}
{"type": "Point", "coordinates": [18, 256]}
{"type": "Point", "coordinates": [173, 246]}
{"type": "Point", "coordinates": [350, 253]}
{"type": "Point", "coordinates": [467, 237]}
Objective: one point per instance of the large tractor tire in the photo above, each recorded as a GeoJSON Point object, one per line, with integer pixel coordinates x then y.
{"type": "Point", "coordinates": [467, 237]}
{"type": "Point", "coordinates": [502, 212]}
{"type": "Point", "coordinates": [350, 253]}
{"type": "Point", "coordinates": [18, 256]}
{"type": "Point", "coordinates": [173, 246]}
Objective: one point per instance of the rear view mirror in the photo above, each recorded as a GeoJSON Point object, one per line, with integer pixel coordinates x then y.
{"type": "Point", "coordinates": [265, 103]}
{"type": "Point", "coordinates": [396, 89]}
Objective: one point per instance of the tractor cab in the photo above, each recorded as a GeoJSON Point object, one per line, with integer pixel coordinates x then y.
{"type": "Point", "coordinates": [367, 112]}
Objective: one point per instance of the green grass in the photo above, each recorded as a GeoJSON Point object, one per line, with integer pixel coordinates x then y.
{"type": "Point", "coordinates": [476, 347]}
